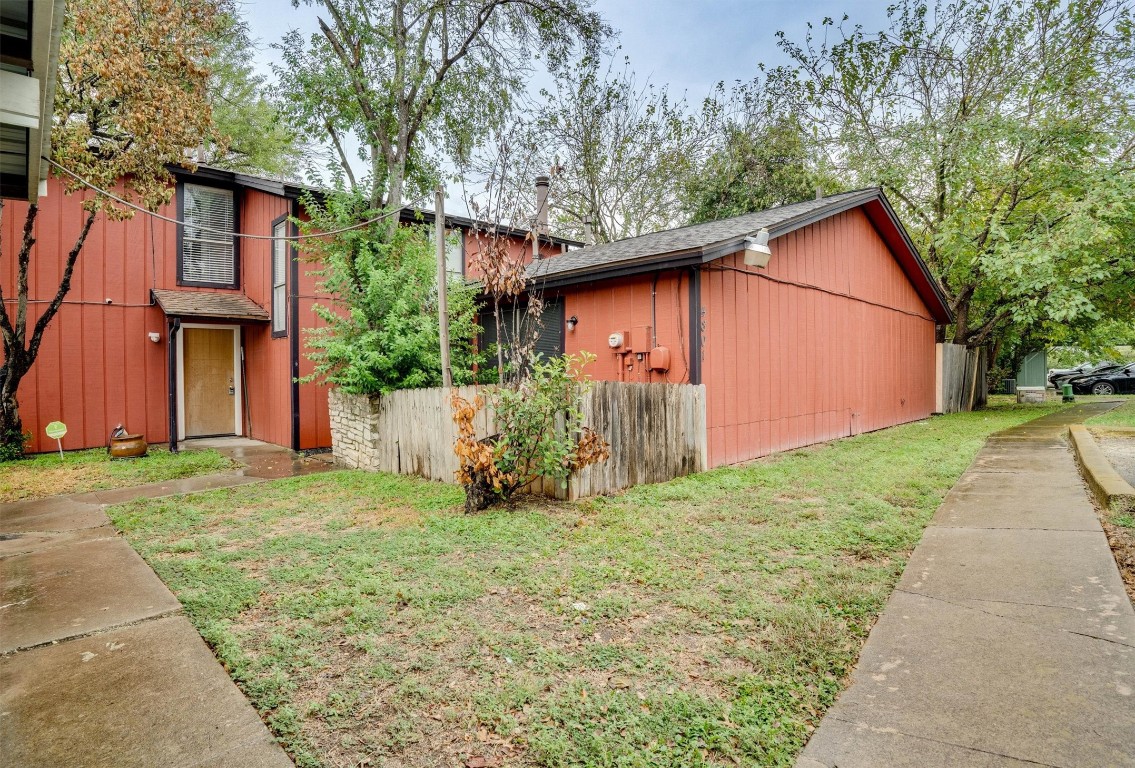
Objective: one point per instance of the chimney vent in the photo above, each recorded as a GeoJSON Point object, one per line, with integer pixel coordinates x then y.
{"type": "Point", "coordinates": [588, 233]}
{"type": "Point", "coordinates": [542, 183]}
{"type": "Point", "coordinates": [819, 193]}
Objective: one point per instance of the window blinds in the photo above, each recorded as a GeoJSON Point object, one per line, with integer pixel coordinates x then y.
{"type": "Point", "coordinates": [279, 279]}
{"type": "Point", "coordinates": [207, 257]}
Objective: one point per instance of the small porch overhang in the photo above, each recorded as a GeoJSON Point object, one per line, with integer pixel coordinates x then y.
{"type": "Point", "coordinates": [209, 305]}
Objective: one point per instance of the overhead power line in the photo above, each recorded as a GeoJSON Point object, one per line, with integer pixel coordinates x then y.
{"type": "Point", "coordinates": [219, 232]}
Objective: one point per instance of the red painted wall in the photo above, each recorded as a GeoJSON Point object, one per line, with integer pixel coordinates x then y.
{"type": "Point", "coordinates": [625, 305]}
{"type": "Point", "coordinates": [97, 367]}
{"type": "Point", "coordinates": [830, 340]}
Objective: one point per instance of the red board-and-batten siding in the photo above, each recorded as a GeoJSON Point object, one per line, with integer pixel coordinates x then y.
{"type": "Point", "coordinates": [97, 367]}
{"type": "Point", "coordinates": [844, 344]}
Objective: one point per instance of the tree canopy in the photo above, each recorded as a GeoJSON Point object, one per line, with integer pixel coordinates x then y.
{"type": "Point", "coordinates": [1004, 133]}
{"type": "Point", "coordinates": [413, 82]}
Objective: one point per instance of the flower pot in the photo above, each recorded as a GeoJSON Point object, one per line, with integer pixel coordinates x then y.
{"type": "Point", "coordinates": [128, 446]}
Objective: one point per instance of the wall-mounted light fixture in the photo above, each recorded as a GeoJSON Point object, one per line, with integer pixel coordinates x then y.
{"type": "Point", "coordinates": [155, 336]}
{"type": "Point", "coordinates": [757, 253]}
{"type": "Point", "coordinates": [572, 322]}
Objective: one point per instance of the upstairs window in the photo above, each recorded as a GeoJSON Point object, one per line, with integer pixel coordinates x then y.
{"type": "Point", "coordinates": [455, 253]}
{"type": "Point", "coordinates": [208, 258]}
{"type": "Point", "coordinates": [16, 32]}
{"type": "Point", "coordinates": [280, 248]}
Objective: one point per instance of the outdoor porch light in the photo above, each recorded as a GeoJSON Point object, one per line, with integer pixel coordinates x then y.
{"type": "Point", "coordinates": [571, 322]}
{"type": "Point", "coordinates": [757, 252]}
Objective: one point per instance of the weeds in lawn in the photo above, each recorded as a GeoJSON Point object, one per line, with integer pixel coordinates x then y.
{"type": "Point", "coordinates": [46, 474]}
{"type": "Point", "coordinates": [706, 621]}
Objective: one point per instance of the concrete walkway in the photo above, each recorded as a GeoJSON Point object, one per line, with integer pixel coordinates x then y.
{"type": "Point", "coordinates": [1009, 640]}
{"type": "Point", "coordinates": [97, 665]}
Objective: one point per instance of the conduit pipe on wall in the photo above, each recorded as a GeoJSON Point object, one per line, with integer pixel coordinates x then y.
{"type": "Point", "coordinates": [171, 349]}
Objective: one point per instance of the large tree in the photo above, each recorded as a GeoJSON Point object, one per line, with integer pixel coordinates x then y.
{"type": "Point", "coordinates": [1004, 133]}
{"type": "Point", "coordinates": [253, 133]}
{"type": "Point", "coordinates": [130, 99]}
{"type": "Point", "coordinates": [762, 161]}
{"type": "Point", "coordinates": [617, 149]}
{"type": "Point", "coordinates": [411, 82]}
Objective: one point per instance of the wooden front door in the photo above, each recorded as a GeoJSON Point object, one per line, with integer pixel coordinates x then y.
{"type": "Point", "coordinates": [210, 381]}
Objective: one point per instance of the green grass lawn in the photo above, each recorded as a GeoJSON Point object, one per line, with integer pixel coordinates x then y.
{"type": "Point", "coordinates": [45, 474]}
{"type": "Point", "coordinates": [710, 620]}
{"type": "Point", "coordinates": [1123, 416]}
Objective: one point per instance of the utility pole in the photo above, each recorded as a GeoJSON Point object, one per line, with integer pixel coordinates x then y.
{"type": "Point", "coordinates": [442, 279]}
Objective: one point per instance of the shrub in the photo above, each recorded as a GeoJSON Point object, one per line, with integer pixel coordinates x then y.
{"type": "Point", "coordinates": [382, 334]}
{"type": "Point", "coordinates": [540, 433]}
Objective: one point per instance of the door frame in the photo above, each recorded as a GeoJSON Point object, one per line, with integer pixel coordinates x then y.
{"type": "Point", "coordinates": [238, 403]}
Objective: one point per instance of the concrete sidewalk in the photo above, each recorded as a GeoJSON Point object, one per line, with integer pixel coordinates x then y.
{"type": "Point", "coordinates": [1009, 640]}
{"type": "Point", "coordinates": [97, 665]}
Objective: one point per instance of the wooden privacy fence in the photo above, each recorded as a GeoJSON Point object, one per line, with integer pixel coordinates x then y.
{"type": "Point", "coordinates": [961, 378]}
{"type": "Point", "coordinates": [656, 431]}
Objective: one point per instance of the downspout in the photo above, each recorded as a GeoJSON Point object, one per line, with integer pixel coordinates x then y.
{"type": "Point", "coordinates": [294, 331]}
{"type": "Point", "coordinates": [174, 327]}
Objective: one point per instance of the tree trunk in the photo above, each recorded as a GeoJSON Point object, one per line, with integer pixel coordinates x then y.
{"type": "Point", "coordinates": [18, 358]}
{"type": "Point", "coordinates": [11, 428]}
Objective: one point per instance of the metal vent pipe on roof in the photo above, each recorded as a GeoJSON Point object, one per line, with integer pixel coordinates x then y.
{"type": "Point", "coordinates": [542, 183]}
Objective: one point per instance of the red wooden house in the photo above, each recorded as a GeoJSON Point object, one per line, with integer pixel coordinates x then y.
{"type": "Point", "coordinates": [175, 332]}
{"type": "Point", "coordinates": [835, 336]}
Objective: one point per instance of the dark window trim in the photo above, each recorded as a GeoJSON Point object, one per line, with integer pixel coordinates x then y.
{"type": "Point", "coordinates": [18, 51]}
{"type": "Point", "coordinates": [181, 281]}
{"type": "Point", "coordinates": [282, 219]}
{"type": "Point", "coordinates": [15, 185]}
{"type": "Point", "coordinates": [695, 326]}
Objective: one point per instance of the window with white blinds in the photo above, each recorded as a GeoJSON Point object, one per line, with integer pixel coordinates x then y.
{"type": "Point", "coordinates": [279, 280]}
{"type": "Point", "coordinates": [207, 256]}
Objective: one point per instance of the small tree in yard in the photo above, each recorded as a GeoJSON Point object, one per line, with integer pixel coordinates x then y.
{"type": "Point", "coordinates": [540, 433]}
{"type": "Point", "coordinates": [130, 99]}
{"type": "Point", "coordinates": [383, 334]}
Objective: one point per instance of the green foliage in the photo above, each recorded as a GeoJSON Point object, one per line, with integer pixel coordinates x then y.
{"type": "Point", "coordinates": [540, 432]}
{"type": "Point", "coordinates": [539, 419]}
{"type": "Point", "coordinates": [414, 82]}
{"type": "Point", "coordinates": [254, 135]}
{"type": "Point", "coordinates": [1003, 132]}
{"type": "Point", "coordinates": [13, 443]}
{"type": "Point", "coordinates": [382, 334]}
{"type": "Point", "coordinates": [618, 148]}
{"type": "Point", "coordinates": [761, 164]}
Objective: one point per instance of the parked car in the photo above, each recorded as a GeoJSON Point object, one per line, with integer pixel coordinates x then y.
{"type": "Point", "coordinates": [1116, 379]}
{"type": "Point", "coordinates": [1059, 376]}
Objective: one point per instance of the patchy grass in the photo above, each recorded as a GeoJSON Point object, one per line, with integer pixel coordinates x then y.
{"type": "Point", "coordinates": [45, 474]}
{"type": "Point", "coordinates": [706, 621]}
{"type": "Point", "coordinates": [1123, 416]}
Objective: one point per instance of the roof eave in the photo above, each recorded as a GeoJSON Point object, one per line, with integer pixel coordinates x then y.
{"type": "Point", "coordinates": [714, 251]}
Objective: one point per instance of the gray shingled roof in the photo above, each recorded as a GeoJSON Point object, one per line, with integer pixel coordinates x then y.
{"type": "Point", "coordinates": [696, 237]}
{"type": "Point", "coordinates": [228, 306]}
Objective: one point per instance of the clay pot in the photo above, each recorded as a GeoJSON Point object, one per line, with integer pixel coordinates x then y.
{"type": "Point", "coordinates": [128, 446]}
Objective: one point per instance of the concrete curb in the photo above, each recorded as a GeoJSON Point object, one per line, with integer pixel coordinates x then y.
{"type": "Point", "coordinates": [1110, 489]}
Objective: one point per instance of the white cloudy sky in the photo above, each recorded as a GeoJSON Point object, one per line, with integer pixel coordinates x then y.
{"type": "Point", "coordinates": [687, 45]}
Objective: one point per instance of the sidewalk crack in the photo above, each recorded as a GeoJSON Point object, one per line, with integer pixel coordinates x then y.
{"type": "Point", "coordinates": [1015, 619]}
{"type": "Point", "coordinates": [950, 744]}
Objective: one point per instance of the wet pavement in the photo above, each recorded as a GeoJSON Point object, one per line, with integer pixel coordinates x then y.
{"type": "Point", "coordinates": [1118, 445]}
{"type": "Point", "coordinates": [97, 666]}
{"type": "Point", "coordinates": [1009, 640]}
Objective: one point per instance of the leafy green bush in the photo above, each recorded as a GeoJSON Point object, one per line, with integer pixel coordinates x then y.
{"type": "Point", "coordinates": [540, 432]}
{"type": "Point", "coordinates": [382, 333]}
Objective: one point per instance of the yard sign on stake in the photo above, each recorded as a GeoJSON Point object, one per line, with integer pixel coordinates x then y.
{"type": "Point", "coordinates": [56, 430]}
